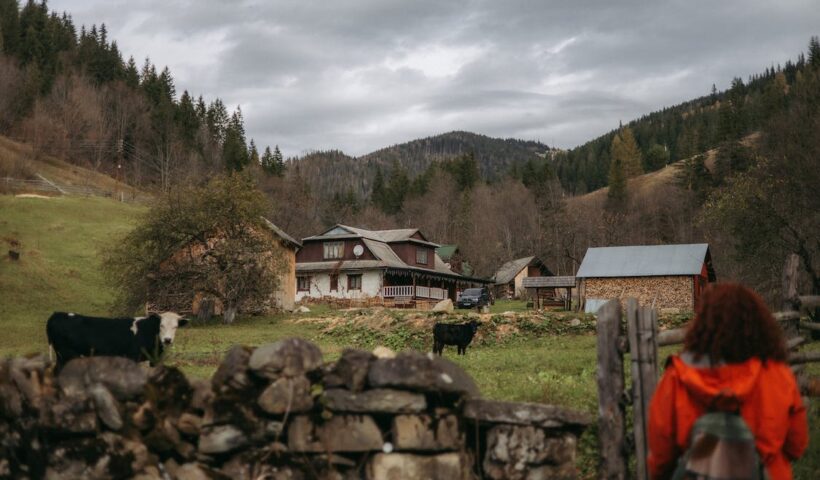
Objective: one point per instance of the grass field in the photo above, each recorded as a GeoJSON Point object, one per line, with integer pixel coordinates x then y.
{"type": "Point", "coordinates": [61, 240]}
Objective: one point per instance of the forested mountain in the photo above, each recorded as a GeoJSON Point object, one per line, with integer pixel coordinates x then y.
{"type": "Point", "coordinates": [333, 171]}
{"type": "Point", "coordinates": [679, 132]}
{"type": "Point", "coordinates": [71, 95]}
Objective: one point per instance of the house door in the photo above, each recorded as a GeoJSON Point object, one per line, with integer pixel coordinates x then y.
{"type": "Point", "coordinates": [334, 283]}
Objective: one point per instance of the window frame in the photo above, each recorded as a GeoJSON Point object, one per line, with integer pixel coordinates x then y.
{"type": "Point", "coordinates": [299, 280]}
{"type": "Point", "coordinates": [337, 245]}
{"type": "Point", "coordinates": [420, 250]}
{"type": "Point", "coordinates": [350, 279]}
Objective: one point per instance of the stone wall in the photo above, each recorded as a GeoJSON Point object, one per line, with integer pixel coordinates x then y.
{"type": "Point", "coordinates": [275, 412]}
{"type": "Point", "coordinates": [670, 292]}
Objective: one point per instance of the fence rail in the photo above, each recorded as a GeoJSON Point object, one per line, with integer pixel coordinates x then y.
{"type": "Point", "coordinates": [414, 292]}
{"type": "Point", "coordinates": [46, 186]}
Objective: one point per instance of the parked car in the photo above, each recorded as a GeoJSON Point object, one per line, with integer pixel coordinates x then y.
{"type": "Point", "coordinates": [474, 298]}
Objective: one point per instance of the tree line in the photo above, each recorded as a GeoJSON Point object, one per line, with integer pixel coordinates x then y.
{"type": "Point", "coordinates": [71, 95]}
{"type": "Point", "coordinates": [684, 130]}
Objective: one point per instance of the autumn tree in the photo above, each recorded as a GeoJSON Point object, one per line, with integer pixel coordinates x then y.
{"type": "Point", "coordinates": [210, 239]}
{"type": "Point", "coordinates": [624, 149]}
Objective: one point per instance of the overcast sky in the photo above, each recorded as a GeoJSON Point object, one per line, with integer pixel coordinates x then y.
{"type": "Point", "coordinates": [361, 75]}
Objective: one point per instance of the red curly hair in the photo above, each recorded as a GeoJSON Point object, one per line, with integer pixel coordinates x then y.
{"type": "Point", "coordinates": [733, 324]}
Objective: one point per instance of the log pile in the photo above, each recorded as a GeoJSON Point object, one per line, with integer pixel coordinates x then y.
{"type": "Point", "coordinates": [275, 412]}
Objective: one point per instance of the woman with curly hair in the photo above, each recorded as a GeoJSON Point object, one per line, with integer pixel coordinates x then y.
{"type": "Point", "coordinates": [733, 361]}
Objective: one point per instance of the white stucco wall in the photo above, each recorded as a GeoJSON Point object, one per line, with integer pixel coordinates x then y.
{"type": "Point", "coordinates": [520, 291]}
{"type": "Point", "coordinates": [320, 286]}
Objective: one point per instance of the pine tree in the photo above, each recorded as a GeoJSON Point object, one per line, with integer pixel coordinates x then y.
{"type": "Point", "coordinates": [266, 161]}
{"type": "Point", "coordinates": [814, 52]}
{"type": "Point", "coordinates": [617, 195]}
{"type": "Point", "coordinates": [217, 121]}
{"type": "Point", "coordinates": [656, 158]}
{"type": "Point", "coordinates": [278, 162]}
{"type": "Point", "coordinates": [186, 118]}
{"type": "Point", "coordinates": [253, 155]}
{"type": "Point", "coordinates": [132, 75]}
{"type": "Point", "coordinates": [235, 149]}
{"type": "Point", "coordinates": [377, 193]}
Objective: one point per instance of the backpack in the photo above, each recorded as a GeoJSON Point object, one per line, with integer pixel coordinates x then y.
{"type": "Point", "coordinates": [721, 447]}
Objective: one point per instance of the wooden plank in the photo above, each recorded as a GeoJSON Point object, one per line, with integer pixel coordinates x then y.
{"type": "Point", "coordinates": [810, 326]}
{"type": "Point", "coordinates": [611, 418]}
{"type": "Point", "coordinates": [671, 337]}
{"type": "Point", "coordinates": [790, 299]}
{"type": "Point", "coordinates": [795, 342]}
{"type": "Point", "coordinates": [784, 316]}
{"type": "Point", "coordinates": [642, 333]}
{"type": "Point", "coordinates": [808, 302]}
{"type": "Point", "coordinates": [804, 357]}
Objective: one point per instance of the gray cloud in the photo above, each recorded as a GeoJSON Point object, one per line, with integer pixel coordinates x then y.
{"type": "Point", "coordinates": [360, 75]}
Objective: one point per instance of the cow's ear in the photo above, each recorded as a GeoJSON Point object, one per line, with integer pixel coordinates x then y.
{"type": "Point", "coordinates": [182, 322]}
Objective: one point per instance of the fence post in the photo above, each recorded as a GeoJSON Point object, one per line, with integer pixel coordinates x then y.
{"type": "Point", "coordinates": [611, 418]}
{"type": "Point", "coordinates": [642, 330]}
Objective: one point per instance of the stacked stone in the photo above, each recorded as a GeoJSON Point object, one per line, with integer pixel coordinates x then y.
{"type": "Point", "coordinates": [277, 412]}
{"type": "Point", "coordinates": [100, 418]}
{"type": "Point", "coordinates": [526, 441]}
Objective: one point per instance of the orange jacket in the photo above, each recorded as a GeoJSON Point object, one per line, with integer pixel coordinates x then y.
{"type": "Point", "coordinates": [770, 405]}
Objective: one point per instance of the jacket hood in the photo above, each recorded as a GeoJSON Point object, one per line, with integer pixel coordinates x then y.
{"type": "Point", "coordinates": [708, 382]}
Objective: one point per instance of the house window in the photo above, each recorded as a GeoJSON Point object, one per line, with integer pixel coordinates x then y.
{"type": "Point", "coordinates": [354, 282]}
{"type": "Point", "coordinates": [334, 250]}
{"type": "Point", "coordinates": [421, 256]}
{"type": "Point", "coordinates": [334, 282]}
{"type": "Point", "coordinates": [303, 283]}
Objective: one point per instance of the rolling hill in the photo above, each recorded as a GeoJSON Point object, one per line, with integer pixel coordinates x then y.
{"type": "Point", "coordinates": [334, 171]}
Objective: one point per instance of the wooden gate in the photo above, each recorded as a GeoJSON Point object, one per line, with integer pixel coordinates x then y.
{"type": "Point", "coordinates": [636, 333]}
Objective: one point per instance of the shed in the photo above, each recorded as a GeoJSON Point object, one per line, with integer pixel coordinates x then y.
{"type": "Point", "coordinates": [543, 290]}
{"type": "Point", "coordinates": [509, 277]}
{"type": "Point", "coordinates": [669, 277]}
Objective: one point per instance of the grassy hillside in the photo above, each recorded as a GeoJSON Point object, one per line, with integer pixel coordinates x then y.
{"type": "Point", "coordinates": [18, 160]}
{"type": "Point", "coordinates": [60, 241]}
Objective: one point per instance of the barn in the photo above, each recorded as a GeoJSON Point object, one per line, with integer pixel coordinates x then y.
{"type": "Point", "coordinates": [668, 277]}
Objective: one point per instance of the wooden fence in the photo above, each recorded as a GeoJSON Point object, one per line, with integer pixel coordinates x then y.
{"type": "Point", "coordinates": [46, 186]}
{"type": "Point", "coordinates": [641, 341]}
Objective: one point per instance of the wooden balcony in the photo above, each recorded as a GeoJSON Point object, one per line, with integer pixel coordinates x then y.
{"type": "Point", "coordinates": [409, 291]}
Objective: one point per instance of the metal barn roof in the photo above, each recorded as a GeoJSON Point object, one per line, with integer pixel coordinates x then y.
{"type": "Point", "coordinates": [646, 261]}
{"type": "Point", "coordinates": [548, 282]}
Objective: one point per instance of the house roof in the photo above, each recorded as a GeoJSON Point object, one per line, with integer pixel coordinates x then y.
{"type": "Point", "coordinates": [509, 270]}
{"type": "Point", "coordinates": [646, 261]}
{"type": "Point", "coordinates": [446, 251]}
{"type": "Point", "coordinates": [548, 282]}
{"type": "Point", "coordinates": [377, 241]}
{"type": "Point", "coordinates": [281, 234]}
{"type": "Point", "coordinates": [339, 231]}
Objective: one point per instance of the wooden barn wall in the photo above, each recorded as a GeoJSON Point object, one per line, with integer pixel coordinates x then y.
{"type": "Point", "coordinates": [671, 292]}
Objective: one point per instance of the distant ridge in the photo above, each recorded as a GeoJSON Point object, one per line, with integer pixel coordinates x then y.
{"type": "Point", "coordinates": [334, 171]}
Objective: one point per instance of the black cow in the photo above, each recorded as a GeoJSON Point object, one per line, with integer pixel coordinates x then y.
{"type": "Point", "coordinates": [450, 334]}
{"type": "Point", "coordinates": [138, 338]}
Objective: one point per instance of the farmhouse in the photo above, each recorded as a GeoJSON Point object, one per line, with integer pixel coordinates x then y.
{"type": "Point", "coordinates": [664, 276]}
{"type": "Point", "coordinates": [508, 279]}
{"type": "Point", "coordinates": [280, 256]}
{"type": "Point", "coordinates": [354, 263]}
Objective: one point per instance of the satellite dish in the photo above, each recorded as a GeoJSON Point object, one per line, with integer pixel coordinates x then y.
{"type": "Point", "coordinates": [358, 250]}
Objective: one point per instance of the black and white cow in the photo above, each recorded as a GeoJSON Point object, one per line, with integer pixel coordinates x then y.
{"type": "Point", "coordinates": [138, 338]}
